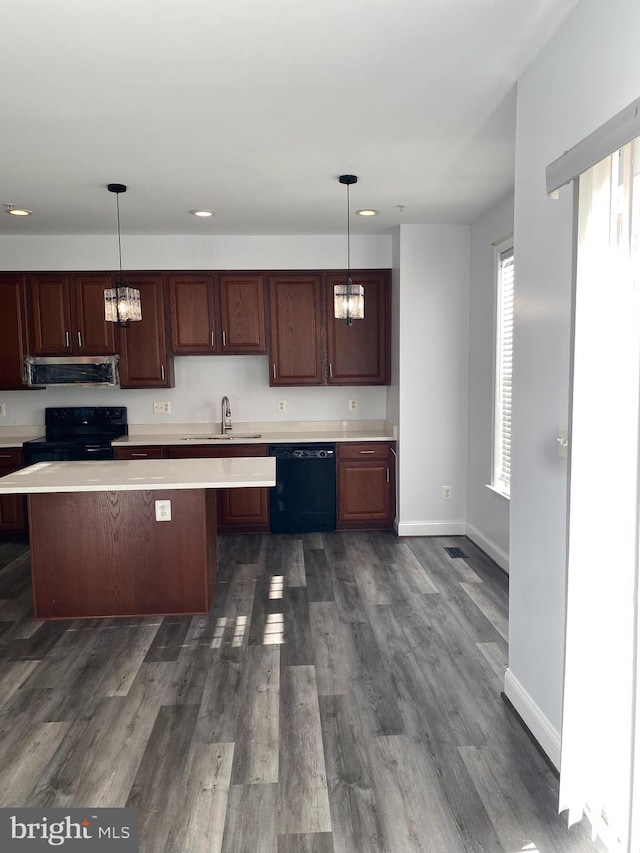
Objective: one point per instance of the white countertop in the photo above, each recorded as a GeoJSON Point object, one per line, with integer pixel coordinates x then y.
{"type": "Point", "coordinates": [140, 474]}
{"type": "Point", "coordinates": [17, 439]}
{"type": "Point", "coordinates": [281, 437]}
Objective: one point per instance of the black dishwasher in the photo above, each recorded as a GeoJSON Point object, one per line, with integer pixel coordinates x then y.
{"type": "Point", "coordinates": [304, 496]}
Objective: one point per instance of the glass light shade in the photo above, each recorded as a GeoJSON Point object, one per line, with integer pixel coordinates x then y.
{"type": "Point", "coordinates": [122, 304]}
{"type": "Point", "coordinates": [348, 301]}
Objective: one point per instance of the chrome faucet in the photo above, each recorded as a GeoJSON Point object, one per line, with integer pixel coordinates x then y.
{"type": "Point", "coordinates": [225, 424]}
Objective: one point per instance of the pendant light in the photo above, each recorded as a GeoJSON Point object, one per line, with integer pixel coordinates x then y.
{"type": "Point", "coordinates": [121, 303]}
{"type": "Point", "coordinates": [348, 298]}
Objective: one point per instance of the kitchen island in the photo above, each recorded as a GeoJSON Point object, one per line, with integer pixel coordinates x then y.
{"type": "Point", "coordinates": [127, 538]}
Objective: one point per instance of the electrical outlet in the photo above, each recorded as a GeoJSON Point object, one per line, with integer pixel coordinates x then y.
{"type": "Point", "coordinates": [353, 405]}
{"type": "Point", "coordinates": [282, 405]}
{"type": "Point", "coordinates": [447, 493]}
{"type": "Point", "coordinates": [162, 408]}
{"type": "Point", "coordinates": [163, 510]}
{"type": "Point", "coordinates": [3, 411]}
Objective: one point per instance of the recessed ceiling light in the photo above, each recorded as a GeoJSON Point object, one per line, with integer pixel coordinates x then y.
{"type": "Point", "coordinates": [367, 211]}
{"type": "Point", "coordinates": [17, 211]}
{"type": "Point", "coordinates": [202, 212]}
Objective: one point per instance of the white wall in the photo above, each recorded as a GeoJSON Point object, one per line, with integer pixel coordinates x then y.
{"type": "Point", "coordinates": [487, 512]}
{"type": "Point", "coordinates": [433, 371]}
{"type": "Point", "coordinates": [201, 381]}
{"type": "Point", "coordinates": [584, 76]}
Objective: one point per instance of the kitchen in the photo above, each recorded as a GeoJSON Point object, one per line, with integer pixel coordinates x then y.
{"type": "Point", "coordinates": [439, 398]}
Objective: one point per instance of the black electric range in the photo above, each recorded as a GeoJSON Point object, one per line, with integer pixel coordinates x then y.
{"type": "Point", "coordinates": [76, 433]}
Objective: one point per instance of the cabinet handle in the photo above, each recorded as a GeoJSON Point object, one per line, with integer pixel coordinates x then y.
{"type": "Point", "coordinates": [224, 338]}
{"type": "Point", "coordinates": [212, 338]}
{"type": "Point", "coordinates": [367, 451]}
{"type": "Point", "coordinates": [388, 476]}
{"type": "Point", "coordinates": [80, 340]}
{"type": "Point", "coordinates": [330, 370]}
{"type": "Point", "coordinates": [162, 371]}
{"type": "Point", "coordinates": [5, 456]}
{"type": "Point", "coordinates": [66, 337]}
{"type": "Point", "coordinates": [140, 454]}
{"type": "Point", "coordinates": [274, 371]}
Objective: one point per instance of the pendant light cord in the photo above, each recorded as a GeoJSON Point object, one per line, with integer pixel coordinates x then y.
{"type": "Point", "coordinates": [119, 243]}
{"type": "Point", "coordinates": [348, 238]}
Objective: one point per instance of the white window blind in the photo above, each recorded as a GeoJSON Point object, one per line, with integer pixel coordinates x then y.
{"type": "Point", "coordinates": [504, 371]}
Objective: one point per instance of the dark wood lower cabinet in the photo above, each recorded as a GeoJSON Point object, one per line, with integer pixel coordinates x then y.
{"type": "Point", "coordinates": [239, 510]}
{"type": "Point", "coordinates": [13, 515]}
{"type": "Point", "coordinates": [366, 486]}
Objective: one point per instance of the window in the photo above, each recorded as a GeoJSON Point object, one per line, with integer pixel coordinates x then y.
{"type": "Point", "coordinates": [501, 480]}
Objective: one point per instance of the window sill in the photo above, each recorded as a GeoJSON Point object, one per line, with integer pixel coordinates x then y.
{"type": "Point", "coordinates": [498, 491]}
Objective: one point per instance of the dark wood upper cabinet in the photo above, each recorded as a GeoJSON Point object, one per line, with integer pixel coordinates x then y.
{"type": "Point", "coordinates": [359, 354]}
{"type": "Point", "coordinates": [94, 335]}
{"type": "Point", "coordinates": [67, 314]}
{"type": "Point", "coordinates": [297, 330]}
{"type": "Point", "coordinates": [13, 331]}
{"type": "Point", "coordinates": [193, 314]}
{"type": "Point", "coordinates": [242, 313]}
{"type": "Point", "coordinates": [144, 358]}
{"type": "Point", "coordinates": [310, 347]}
{"type": "Point", "coordinates": [217, 314]}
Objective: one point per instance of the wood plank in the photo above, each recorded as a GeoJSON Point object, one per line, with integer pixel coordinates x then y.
{"type": "Point", "coordinates": [303, 803]}
{"type": "Point", "coordinates": [258, 733]}
{"type": "Point", "coordinates": [329, 655]}
{"type": "Point", "coordinates": [413, 809]}
{"type": "Point", "coordinates": [355, 819]}
{"type": "Point", "coordinates": [251, 819]}
{"type": "Point", "coordinates": [203, 800]}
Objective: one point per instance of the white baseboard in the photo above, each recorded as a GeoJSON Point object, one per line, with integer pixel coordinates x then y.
{"type": "Point", "coordinates": [489, 547]}
{"type": "Point", "coordinates": [431, 528]}
{"type": "Point", "coordinates": [538, 724]}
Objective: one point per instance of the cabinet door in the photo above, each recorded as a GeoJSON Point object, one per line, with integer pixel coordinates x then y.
{"type": "Point", "coordinates": [13, 331]}
{"type": "Point", "coordinates": [359, 354]}
{"type": "Point", "coordinates": [12, 507]}
{"type": "Point", "coordinates": [242, 313]}
{"type": "Point", "coordinates": [50, 314]}
{"type": "Point", "coordinates": [366, 486]}
{"type": "Point", "coordinates": [192, 314]}
{"type": "Point", "coordinates": [297, 335]}
{"type": "Point", "coordinates": [92, 334]}
{"type": "Point", "coordinates": [144, 360]}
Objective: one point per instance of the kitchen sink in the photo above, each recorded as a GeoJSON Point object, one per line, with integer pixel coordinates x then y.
{"type": "Point", "coordinates": [239, 436]}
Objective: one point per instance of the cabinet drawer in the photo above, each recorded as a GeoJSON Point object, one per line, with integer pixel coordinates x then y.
{"type": "Point", "coordinates": [10, 457]}
{"type": "Point", "coordinates": [371, 450]}
{"type": "Point", "coordinates": [143, 452]}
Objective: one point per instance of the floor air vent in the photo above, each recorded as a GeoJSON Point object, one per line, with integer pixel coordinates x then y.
{"type": "Point", "coordinates": [455, 552]}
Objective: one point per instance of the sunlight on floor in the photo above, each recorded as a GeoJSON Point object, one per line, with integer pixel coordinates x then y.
{"type": "Point", "coordinates": [274, 629]}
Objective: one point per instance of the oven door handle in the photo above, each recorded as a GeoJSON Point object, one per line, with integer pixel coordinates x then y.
{"type": "Point", "coordinates": [93, 449]}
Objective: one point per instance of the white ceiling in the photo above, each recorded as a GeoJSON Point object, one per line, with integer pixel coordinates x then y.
{"type": "Point", "coordinates": [252, 108]}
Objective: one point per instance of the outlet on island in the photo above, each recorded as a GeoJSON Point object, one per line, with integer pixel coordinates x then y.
{"type": "Point", "coordinates": [163, 510]}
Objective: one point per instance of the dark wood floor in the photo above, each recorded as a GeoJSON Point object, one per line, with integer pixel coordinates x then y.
{"type": "Point", "coordinates": [342, 695]}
